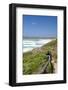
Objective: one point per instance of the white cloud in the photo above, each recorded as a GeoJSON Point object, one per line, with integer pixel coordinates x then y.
{"type": "Point", "coordinates": [33, 23]}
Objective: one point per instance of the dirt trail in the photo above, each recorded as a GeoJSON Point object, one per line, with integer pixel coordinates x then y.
{"type": "Point", "coordinates": [41, 69]}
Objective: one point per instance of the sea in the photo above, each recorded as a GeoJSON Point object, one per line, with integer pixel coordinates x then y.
{"type": "Point", "coordinates": [30, 44]}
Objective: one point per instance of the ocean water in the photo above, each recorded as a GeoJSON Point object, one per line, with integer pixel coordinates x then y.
{"type": "Point", "coordinates": [29, 44]}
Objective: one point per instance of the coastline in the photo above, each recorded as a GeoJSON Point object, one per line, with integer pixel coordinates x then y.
{"type": "Point", "coordinates": [30, 44]}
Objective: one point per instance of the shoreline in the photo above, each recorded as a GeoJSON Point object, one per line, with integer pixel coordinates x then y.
{"type": "Point", "coordinates": [29, 45]}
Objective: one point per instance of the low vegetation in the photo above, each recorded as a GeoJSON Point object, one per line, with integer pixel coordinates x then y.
{"type": "Point", "coordinates": [34, 60]}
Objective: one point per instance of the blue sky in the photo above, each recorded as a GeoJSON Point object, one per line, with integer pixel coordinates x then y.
{"type": "Point", "coordinates": [40, 26]}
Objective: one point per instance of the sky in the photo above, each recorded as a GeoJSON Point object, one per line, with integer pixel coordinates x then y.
{"type": "Point", "coordinates": [39, 26]}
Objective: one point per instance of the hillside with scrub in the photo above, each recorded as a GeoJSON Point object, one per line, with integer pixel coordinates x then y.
{"type": "Point", "coordinates": [36, 61]}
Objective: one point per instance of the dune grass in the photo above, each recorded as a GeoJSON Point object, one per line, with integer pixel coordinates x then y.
{"type": "Point", "coordinates": [37, 57]}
